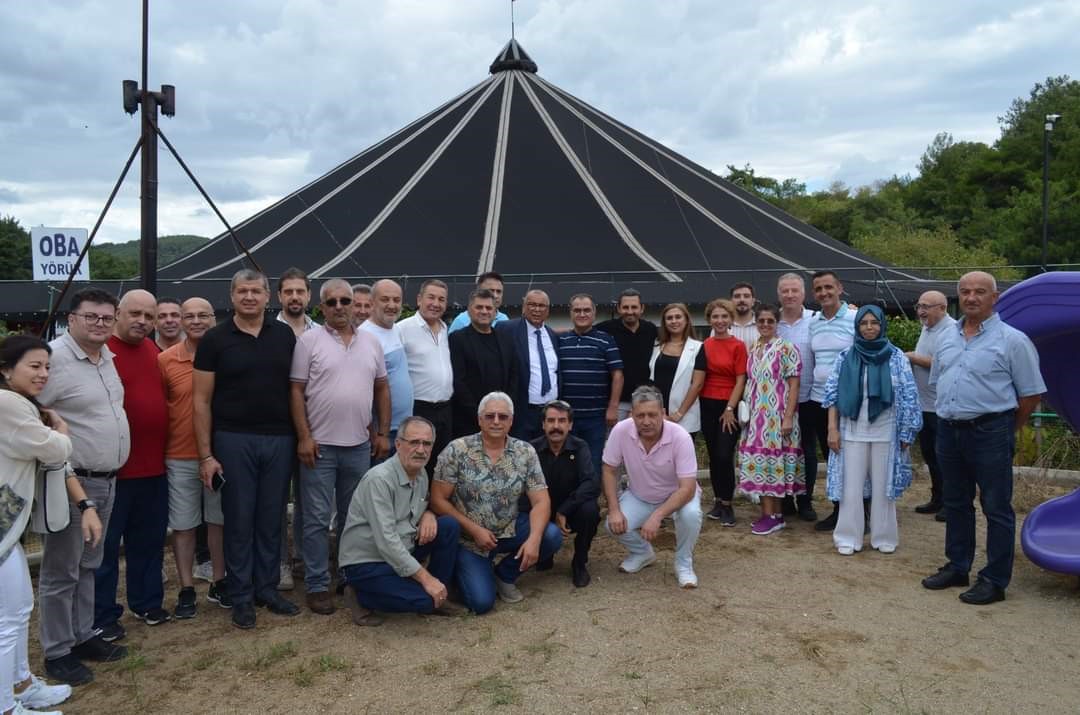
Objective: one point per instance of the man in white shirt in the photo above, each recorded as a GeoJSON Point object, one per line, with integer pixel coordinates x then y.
{"type": "Point", "coordinates": [538, 363]}
{"type": "Point", "coordinates": [743, 326]}
{"type": "Point", "coordinates": [427, 350]}
{"type": "Point", "coordinates": [932, 307]}
{"type": "Point", "coordinates": [794, 326]}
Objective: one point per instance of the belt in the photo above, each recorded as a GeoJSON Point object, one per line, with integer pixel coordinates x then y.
{"type": "Point", "coordinates": [434, 405]}
{"type": "Point", "coordinates": [976, 421]}
{"type": "Point", "coordinates": [94, 475]}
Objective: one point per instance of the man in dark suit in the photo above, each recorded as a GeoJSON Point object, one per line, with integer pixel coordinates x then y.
{"type": "Point", "coordinates": [483, 361]}
{"type": "Point", "coordinates": [536, 346]}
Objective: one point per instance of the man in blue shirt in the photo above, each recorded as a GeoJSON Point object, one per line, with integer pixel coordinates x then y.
{"type": "Point", "coordinates": [988, 383]}
{"type": "Point", "coordinates": [490, 281]}
{"type": "Point", "coordinates": [590, 376]}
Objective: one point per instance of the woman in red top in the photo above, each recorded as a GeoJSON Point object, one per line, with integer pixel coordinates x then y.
{"type": "Point", "coordinates": [725, 377]}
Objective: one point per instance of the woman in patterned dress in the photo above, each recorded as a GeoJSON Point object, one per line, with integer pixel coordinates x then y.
{"type": "Point", "coordinates": [770, 455]}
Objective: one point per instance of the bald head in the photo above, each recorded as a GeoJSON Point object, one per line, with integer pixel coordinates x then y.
{"type": "Point", "coordinates": [386, 302]}
{"type": "Point", "coordinates": [196, 317]}
{"type": "Point", "coordinates": [931, 307]}
{"type": "Point", "coordinates": [977, 292]}
{"type": "Point", "coordinates": [135, 316]}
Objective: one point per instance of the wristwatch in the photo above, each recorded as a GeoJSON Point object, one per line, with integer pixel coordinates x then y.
{"type": "Point", "coordinates": [86, 504]}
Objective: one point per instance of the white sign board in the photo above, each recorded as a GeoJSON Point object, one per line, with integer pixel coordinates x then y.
{"type": "Point", "coordinates": [55, 251]}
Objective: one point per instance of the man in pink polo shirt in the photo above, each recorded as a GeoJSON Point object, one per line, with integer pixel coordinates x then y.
{"type": "Point", "coordinates": [662, 469]}
{"type": "Point", "coordinates": [336, 372]}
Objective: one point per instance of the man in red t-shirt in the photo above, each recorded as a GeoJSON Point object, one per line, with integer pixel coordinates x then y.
{"type": "Point", "coordinates": [141, 510]}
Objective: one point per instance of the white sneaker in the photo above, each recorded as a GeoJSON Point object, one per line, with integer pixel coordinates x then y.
{"type": "Point", "coordinates": [508, 591]}
{"type": "Point", "coordinates": [687, 577]}
{"type": "Point", "coordinates": [42, 695]}
{"type": "Point", "coordinates": [633, 564]}
{"type": "Point", "coordinates": [204, 572]}
{"type": "Point", "coordinates": [285, 582]}
{"type": "Point", "coordinates": [886, 549]}
{"type": "Point", "coordinates": [845, 550]}
{"type": "Point", "coordinates": [19, 709]}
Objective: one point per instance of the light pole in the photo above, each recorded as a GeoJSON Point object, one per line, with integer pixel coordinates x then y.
{"type": "Point", "coordinates": [1047, 128]}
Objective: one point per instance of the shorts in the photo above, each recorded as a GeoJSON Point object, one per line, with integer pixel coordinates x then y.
{"type": "Point", "coordinates": [190, 503]}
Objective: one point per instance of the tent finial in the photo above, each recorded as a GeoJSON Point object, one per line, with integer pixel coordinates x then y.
{"type": "Point", "coordinates": [511, 19]}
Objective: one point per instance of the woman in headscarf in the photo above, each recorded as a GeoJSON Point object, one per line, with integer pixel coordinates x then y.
{"type": "Point", "coordinates": [30, 435]}
{"type": "Point", "coordinates": [874, 415]}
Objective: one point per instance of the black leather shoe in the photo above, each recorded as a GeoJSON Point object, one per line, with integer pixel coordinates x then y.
{"type": "Point", "coordinates": [243, 615]}
{"type": "Point", "coordinates": [68, 669]}
{"type": "Point", "coordinates": [806, 509]}
{"type": "Point", "coordinates": [278, 605]}
{"type": "Point", "coordinates": [580, 575]}
{"type": "Point", "coordinates": [930, 507]}
{"type": "Point", "coordinates": [946, 577]}
{"type": "Point", "coordinates": [545, 564]}
{"type": "Point", "coordinates": [940, 516]}
{"type": "Point", "coordinates": [829, 522]}
{"type": "Point", "coordinates": [100, 651]}
{"type": "Point", "coordinates": [983, 593]}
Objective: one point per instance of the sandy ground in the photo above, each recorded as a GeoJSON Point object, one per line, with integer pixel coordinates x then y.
{"type": "Point", "coordinates": [779, 622]}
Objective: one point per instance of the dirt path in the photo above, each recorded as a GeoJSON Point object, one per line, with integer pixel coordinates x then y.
{"type": "Point", "coordinates": [779, 623]}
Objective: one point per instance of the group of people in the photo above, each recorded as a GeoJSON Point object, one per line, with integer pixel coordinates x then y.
{"type": "Point", "coordinates": [430, 451]}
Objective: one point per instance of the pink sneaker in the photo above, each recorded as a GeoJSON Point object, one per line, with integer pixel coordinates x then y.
{"type": "Point", "coordinates": [767, 524]}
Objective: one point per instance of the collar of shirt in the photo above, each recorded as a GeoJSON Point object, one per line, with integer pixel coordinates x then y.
{"type": "Point", "coordinates": [806, 313]}
{"type": "Point", "coordinates": [105, 355]}
{"type": "Point", "coordinates": [308, 322]}
{"type": "Point", "coordinates": [840, 313]}
{"type": "Point", "coordinates": [572, 444]}
{"type": "Point", "coordinates": [988, 323]}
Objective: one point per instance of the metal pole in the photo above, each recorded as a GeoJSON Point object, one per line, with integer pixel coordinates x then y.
{"type": "Point", "coordinates": [1046, 189]}
{"type": "Point", "coordinates": [149, 181]}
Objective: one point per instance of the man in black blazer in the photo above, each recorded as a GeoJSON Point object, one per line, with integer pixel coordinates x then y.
{"type": "Point", "coordinates": [483, 361]}
{"type": "Point", "coordinates": [537, 353]}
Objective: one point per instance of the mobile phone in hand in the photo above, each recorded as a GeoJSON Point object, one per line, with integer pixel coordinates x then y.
{"type": "Point", "coordinates": [217, 481]}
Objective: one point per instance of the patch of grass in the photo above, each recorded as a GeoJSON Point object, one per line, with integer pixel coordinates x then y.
{"type": "Point", "coordinates": [304, 677]}
{"type": "Point", "coordinates": [133, 663]}
{"type": "Point", "coordinates": [546, 649]}
{"type": "Point", "coordinates": [432, 668]}
{"type": "Point", "coordinates": [328, 663]}
{"type": "Point", "coordinates": [205, 660]}
{"type": "Point", "coordinates": [501, 690]}
{"type": "Point", "coordinates": [632, 675]}
{"type": "Point", "coordinates": [277, 652]}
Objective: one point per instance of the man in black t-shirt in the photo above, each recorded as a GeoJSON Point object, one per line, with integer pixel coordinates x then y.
{"type": "Point", "coordinates": [483, 360]}
{"type": "Point", "coordinates": [244, 432]}
{"type": "Point", "coordinates": [636, 338]}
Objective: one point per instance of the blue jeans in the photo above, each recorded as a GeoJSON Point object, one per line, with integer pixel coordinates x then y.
{"type": "Point", "coordinates": [980, 456]}
{"type": "Point", "coordinates": [594, 431]}
{"type": "Point", "coordinates": [379, 588]}
{"type": "Point", "coordinates": [475, 576]}
{"type": "Point", "coordinates": [140, 515]}
{"type": "Point", "coordinates": [333, 479]}
{"type": "Point", "coordinates": [257, 469]}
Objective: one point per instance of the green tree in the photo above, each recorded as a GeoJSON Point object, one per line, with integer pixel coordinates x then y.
{"type": "Point", "coordinates": [920, 247]}
{"type": "Point", "coordinates": [14, 250]}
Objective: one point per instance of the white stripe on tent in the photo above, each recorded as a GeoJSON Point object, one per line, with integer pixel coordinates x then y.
{"type": "Point", "coordinates": [352, 179]}
{"type": "Point", "coordinates": [498, 170]}
{"type": "Point", "coordinates": [404, 191]}
{"type": "Point", "coordinates": [613, 216]}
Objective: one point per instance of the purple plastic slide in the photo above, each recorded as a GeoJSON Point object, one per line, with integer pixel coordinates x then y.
{"type": "Point", "coordinates": [1047, 309]}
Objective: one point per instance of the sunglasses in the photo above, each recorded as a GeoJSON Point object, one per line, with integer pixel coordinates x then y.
{"type": "Point", "coordinates": [766, 321]}
{"type": "Point", "coordinates": [333, 302]}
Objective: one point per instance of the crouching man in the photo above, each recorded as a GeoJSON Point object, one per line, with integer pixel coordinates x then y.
{"type": "Point", "coordinates": [389, 531]}
{"type": "Point", "coordinates": [478, 480]}
{"type": "Point", "coordinates": [662, 469]}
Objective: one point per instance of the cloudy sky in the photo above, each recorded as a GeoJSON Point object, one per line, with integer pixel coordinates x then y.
{"type": "Point", "coordinates": [273, 93]}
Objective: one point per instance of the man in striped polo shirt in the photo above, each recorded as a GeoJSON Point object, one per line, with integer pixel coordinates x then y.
{"type": "Point", "coordinates": [831, 330]}
{"type": "Point", "coordinates": [590, 376]}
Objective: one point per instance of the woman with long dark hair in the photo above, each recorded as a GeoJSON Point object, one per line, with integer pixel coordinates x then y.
{"type": "Point", "coordinates": [30, 435]}
{"type": "Point", "coordinates": [677, 366]}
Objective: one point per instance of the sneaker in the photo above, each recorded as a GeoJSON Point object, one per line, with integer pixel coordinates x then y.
{"type": "Point", "coordinates": [186, 603]}
{"type": "Point", "coordinates": [633, 564]}
{"type": "Point", "coordinates": [217, 594]}
{"type": "Point", "coordinates": [845, 550]}
{"type": "Point", "coordinates": [95, 649]}
{"type": "Point", "coordinates": [112, 632]}
{"type": "Point", "coordinates": [153, 616]}
{"type": "Point", "coordinates": [716, 511]}
{"type": "Point", "coordinates": [727, 515]}
{"type": "Point", "coordinates": [687, 577]}
{"type": "Point", "coordinates": [40, 694]}
{"type": "Point", "coordinates": [508, 591]}
{"type": "Point", "coordinates": [285, 579]}
{"type": "Point", "coordinates": [829, 522]}
{"type": "Point", "coordinates": [767, 524]}
{"type": "Point", "coordinates": [886, 549]}
{"type": "Point", "coordinates": [68, 669]}
{"type": "Point", "coordinates": [21, 709]}
{"type": "Point", "coordinates": [204, 571]}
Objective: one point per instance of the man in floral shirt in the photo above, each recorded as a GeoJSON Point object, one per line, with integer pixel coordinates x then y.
{"type": "Point", "coordinates": [478, 480]}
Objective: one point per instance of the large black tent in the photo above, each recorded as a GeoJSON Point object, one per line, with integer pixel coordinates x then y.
{"type": "Point", "coordinates": [517, 175]}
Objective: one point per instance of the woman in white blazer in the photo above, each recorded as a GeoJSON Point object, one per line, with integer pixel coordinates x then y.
{"type": "Point", "coordinates": [677, 367]}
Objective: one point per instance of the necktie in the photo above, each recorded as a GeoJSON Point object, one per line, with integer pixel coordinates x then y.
{"type": "Point", "coordinates": [545, 381]}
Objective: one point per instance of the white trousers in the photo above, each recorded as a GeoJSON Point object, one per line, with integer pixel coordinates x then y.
{"type": "Point", "coordinates": [16, 602]}
{"type": "Point", "coordinates": [862, 461]}
{"type": "Point", "coordinates": [687, 527]}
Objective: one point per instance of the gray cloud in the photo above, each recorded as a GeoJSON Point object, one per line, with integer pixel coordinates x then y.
{"type": "Point", "coordinates": [272, 93]}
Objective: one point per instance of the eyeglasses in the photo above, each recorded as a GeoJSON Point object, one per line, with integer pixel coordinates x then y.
{"type": "Point", "coordinates": [333, 302]}
{"type": "Point", "coordinates": [496, 416]}
{"type": "Point", "coordinates": [928, 306]}
{"type": "Point", "coordinates": [766, 321]}
{"type": "Point", "coordinates": [93, 318]}
{"type": "Point", "coordinates": [200, 316]}
{"type": "Point", "coordinates": [414, 443]}
{"type": "Point", "coordinates": [536, 306]}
